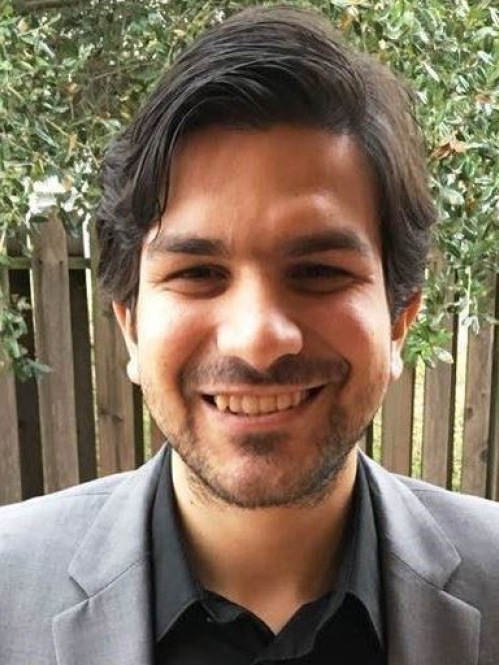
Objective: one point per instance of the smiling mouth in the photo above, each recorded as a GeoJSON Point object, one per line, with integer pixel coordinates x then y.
{"type": "Point", "coordinates": [248, 404]}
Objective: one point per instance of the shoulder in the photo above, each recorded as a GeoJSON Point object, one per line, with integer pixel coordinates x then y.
{"type": "Point", "coordinates": [470, 523]}
{"type": "Point", "coordinates": [58, 519]}
{"type": "Point", "coordinates": [38, 539]}
{"type": "Point", "coordinates": [414, 509]}
{"type": "Point", "coordinates": [101, 487]}
{"type": "Point", "coordinates": [62, 518]}
{"type": "Point", "coordinates": [471, 512]}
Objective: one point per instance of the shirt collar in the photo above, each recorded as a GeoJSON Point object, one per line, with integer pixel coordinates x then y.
{"type": "Point", "coordinates": [176, 588]}
{"type": "Point", "coordinates": [365, 571]}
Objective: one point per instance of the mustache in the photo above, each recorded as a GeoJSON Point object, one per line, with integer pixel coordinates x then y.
{"type": "Point", "coordinates": [288, 370]}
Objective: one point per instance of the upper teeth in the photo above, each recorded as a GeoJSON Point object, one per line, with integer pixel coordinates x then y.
{"type": "Point", "coordinates": [256, 404]}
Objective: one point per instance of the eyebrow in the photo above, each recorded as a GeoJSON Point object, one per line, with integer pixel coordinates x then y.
{"type": "Point", "coordinates": [179, 244]}
{"type": "Point", "coordinates": [332, 240]}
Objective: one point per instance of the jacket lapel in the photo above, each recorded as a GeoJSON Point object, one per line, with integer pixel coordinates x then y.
{"type": "Point", "coordinates": [112, 566]}
{"type": "Point", "coordinates": [425, 623]}
{"type": "Point", "coordinates": [113, 626]}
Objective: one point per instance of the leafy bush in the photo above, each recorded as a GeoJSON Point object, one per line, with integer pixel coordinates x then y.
{"type": "Point", "coordinates": [73, 73]}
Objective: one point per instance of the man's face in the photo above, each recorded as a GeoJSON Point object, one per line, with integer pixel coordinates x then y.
{"type": "Point", "coordinates": [263, 341]}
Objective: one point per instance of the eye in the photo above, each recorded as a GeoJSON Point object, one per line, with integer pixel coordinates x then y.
{"type": "Point", "coordinates": [320, 277]}
{"type": "Point", "coordinates": [199, 273]}
{"type": "Point", "coordinates": [203, 280]}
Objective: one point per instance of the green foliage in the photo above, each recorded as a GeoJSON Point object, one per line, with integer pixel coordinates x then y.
{"type": "Point", "coordinates": [12, 329]}
{"type": "Point", "coordinates": [70, 78]}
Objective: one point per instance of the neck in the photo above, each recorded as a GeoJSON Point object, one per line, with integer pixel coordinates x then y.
{"type": "Point", "coordinates": [270, 560]}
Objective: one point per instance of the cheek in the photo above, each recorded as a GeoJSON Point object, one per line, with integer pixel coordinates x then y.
{"type": "Point", "coordinates": [169, 334]}
{"type": "Point", "coordinates": [365, 342]}
{"type": "Point", "coordinates": [359, 329]}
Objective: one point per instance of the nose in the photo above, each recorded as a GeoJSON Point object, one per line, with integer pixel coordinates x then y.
{"type": "Point", "coordinates": [257, 328]}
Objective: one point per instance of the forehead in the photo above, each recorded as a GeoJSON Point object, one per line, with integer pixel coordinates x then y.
{"type": "Point", "coordinates": [261, 187]}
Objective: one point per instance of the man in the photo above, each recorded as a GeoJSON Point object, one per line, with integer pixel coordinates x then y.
{"type": "Point", "coordinates": [264, 227]}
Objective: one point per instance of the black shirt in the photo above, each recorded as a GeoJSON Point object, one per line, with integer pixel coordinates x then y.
{"type": "Point", "coordinates": [196, 627]}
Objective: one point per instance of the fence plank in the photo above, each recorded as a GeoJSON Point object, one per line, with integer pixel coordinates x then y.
{"type": "Point", "coordinates": [439, 415]}
{"type": "Point", "coordinates": [28, 417]}
{"type": "Point", "coordinates": [366, 442]}
{"type": "Point", "coordinates": [138, 425]}
{"type": "Point", "coordinates": [157, 437]}
{"type": "Point", "coordinates": [477, 412]}
{"type": "Point", "coordinates": [115, 400]}
{"type": "Point", "coordinates": [119, 407]}
{"type": "Point", "coordinates": [54, 347]}
{"type": "Point", "coordinates": [493, 484]}
{"type": "Point", "coordinates": [10, 459]}
{"type": "Point", "coordinates": [493, 488]}
{"type": "Point", "coordinates": [396, 450]}
{"type": "Point", "coordinates": [80, 330]}
{"type": "Point", "coordinates": [361, 443]}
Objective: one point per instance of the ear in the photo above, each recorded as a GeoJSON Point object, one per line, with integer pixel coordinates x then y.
{"type": "Point", "coordinates": [400, 328]}
{"type": "Point", "coordinates": [125, 321]}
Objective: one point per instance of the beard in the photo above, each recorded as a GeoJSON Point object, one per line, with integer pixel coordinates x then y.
{"type": "Point", "coordinates": [305, 486]}
{"type": "Point", "coordinates": [267, 478]}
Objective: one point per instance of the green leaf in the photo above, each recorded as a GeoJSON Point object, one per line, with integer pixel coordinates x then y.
{"type": "Point", "coordinates": [452, 196]}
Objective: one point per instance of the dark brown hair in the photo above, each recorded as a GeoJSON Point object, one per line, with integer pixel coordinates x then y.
{"type": "Point", "coordinates": [262, 67]}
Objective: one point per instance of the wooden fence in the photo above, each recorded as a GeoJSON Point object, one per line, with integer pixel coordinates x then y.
{"type": "Point", "coordinates": [85, 419]}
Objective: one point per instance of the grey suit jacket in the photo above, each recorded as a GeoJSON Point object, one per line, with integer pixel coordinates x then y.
{"type": "Point", "coordinates": [75, 573]}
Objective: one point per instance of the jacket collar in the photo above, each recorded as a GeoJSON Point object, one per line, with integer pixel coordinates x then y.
{"type": "Point", "coordinates": [112, 566]}
{"type": "Point", "coordinates": [425, 623]}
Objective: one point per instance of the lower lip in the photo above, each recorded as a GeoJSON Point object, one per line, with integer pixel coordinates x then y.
{"type": "Point", "coordinates": [240, 423]}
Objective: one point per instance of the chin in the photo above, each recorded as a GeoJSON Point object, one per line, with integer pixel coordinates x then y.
{"type": "Point", "coordinates": [266, 483]}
